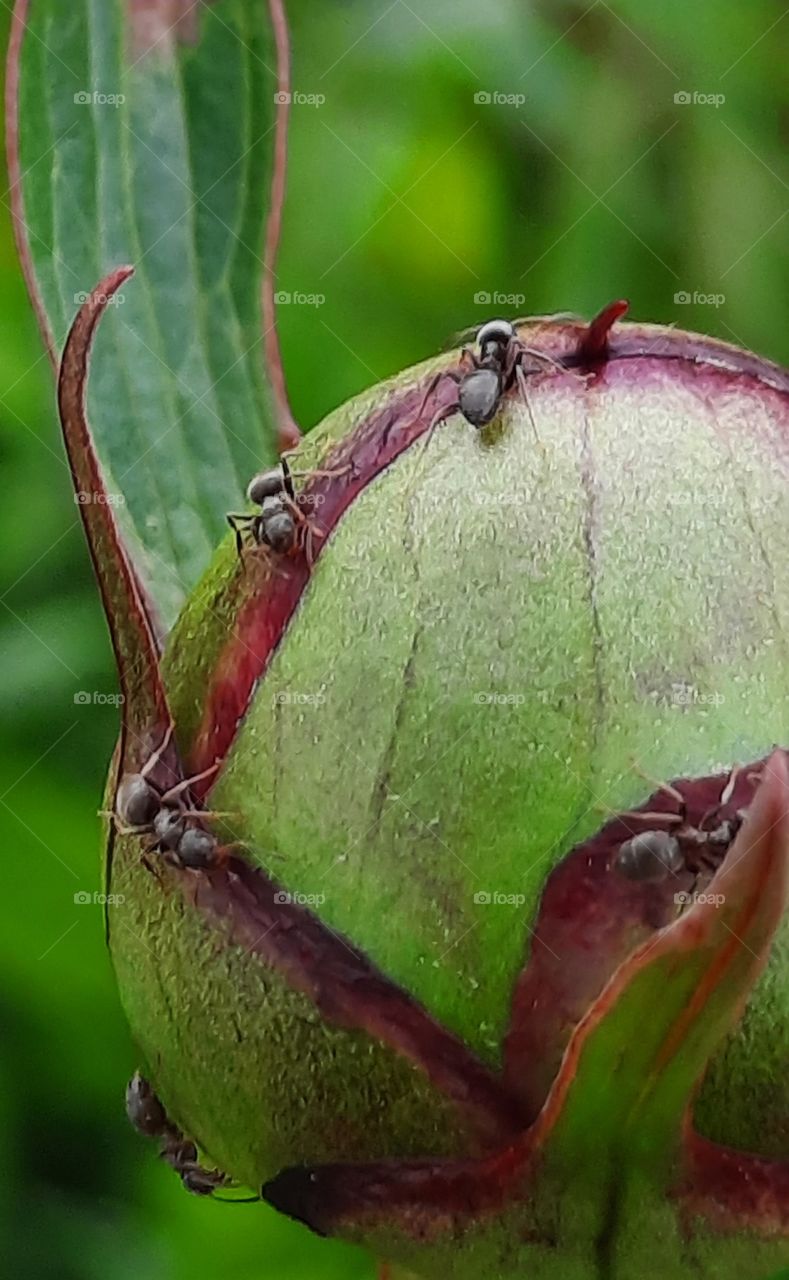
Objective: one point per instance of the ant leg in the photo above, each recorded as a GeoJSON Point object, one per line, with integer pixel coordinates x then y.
{"type": "Point", "coordinates": [123, 830]}
{"type": "Point", "coordinates": [312, 531]}
{"type": "Point", "coordinates": [439, 416]}
{"type": "Point", "coordinates": [728, 790]}
{"type": "Point", "coordinates": [186, 783]}
{"type": "Point", "coordinates": [154, 759]}
{"type": "Point", "coordinates": [724, 798]}
{"type": "Point", "coordinates": [660, 786]}
{"type": "Point", "coordinates": [433, 383]}
{"type": "Point", "coordinates": [209, 814]}
{"type": "Point", "coordinates": [316, 471]}
{"type": "Point", "coordinates": [648, 816]}
{"type": "Point", "coordinates": [235, 520]}
{"type": "Point", "coordinates": [652, 817]}
{"type": "Point", "coordinates": [520, 378]}
{"type": "Point", "coordinates": [557, 364]}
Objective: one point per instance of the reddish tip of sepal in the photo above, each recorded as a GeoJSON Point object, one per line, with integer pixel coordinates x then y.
{"type": "Point", "coordinates": [593, 344]}
{"type": "Point", "coordinates": [288, 436]}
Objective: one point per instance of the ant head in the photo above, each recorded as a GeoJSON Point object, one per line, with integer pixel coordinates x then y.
{"type": "Point", "coordinates": [137, 802]}
{"type": "Point", "coordinates": [144, 1109]}
{"type": "Point", "coordinates": [278, 528]}
{"type": "Point", "coordinates": [495, 333]}
{"type": "Point", "coordinates": [265, 485]}
{"type": "Point", "coordinates": [650, 856]}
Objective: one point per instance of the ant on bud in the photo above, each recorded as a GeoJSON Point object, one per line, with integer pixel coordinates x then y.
{"type": "Point", "coordinates": [486, 374]}
{"type": "Point", "coordinates": [142, 808]}
{"type": "Point", "coordinates": [147, 1115]}
{"type": "Point", "coordinates": [655, 854]}
{"type": "Point", "coordinates": [280, 524]}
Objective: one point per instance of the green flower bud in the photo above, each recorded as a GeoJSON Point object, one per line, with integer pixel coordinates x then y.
{"type": "Point", "coordinates": [425, 995]}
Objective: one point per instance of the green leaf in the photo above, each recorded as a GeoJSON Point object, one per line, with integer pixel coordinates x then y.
{"type": "Point", "coordinates": [152, 145]}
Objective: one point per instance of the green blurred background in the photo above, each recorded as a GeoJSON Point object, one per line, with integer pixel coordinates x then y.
{"type": "Point", "coordinates": [409, 197]}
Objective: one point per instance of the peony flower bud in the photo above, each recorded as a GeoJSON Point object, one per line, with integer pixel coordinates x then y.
{"type": "Point", "coordinates": [411, 978]}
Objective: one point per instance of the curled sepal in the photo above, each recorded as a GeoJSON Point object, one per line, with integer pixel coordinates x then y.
{"type": "Point", "coordinates": [615, 1124]}
{"type": "Point", "coordinates": [129, 616]}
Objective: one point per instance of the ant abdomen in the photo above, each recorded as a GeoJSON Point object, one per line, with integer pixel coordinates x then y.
{"type": "Point", "coordinates": [137, 802]}
{"type": "Point", "coordinates": [650, 856]}
{"type": "Point", "coordinates": [478, 396]}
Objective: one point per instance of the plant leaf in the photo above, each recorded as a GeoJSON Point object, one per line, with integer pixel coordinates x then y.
{"type": "Point", "coordinates": [136, 141]}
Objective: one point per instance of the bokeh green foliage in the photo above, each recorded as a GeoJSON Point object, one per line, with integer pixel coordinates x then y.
{"type": "Point", "coordinates": [406, 199]}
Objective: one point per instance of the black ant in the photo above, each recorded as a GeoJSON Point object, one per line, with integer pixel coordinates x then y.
{"type": "Point", "coordinates": [486, 374]}
{"type": "Point", "coordinates": [655, 854]}
{"type": "Point", "coordinates": [144, 809]}
{"type": "Point", "coordinates": [147, 1115]}
{"type": "Point", "coordinates": [280, 524]}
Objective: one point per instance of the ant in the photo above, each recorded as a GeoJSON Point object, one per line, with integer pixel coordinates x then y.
{"type": "Point", "coordinates": [280, 524]}
{"type": "Point", "coordinates": [486, 374]}
{"type": "Point", "coordinates": [147, 1115]}
{"type": "Point", "coordinates": [145, 809]}
{"type": "Point", "coordinates": [655, 854]}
